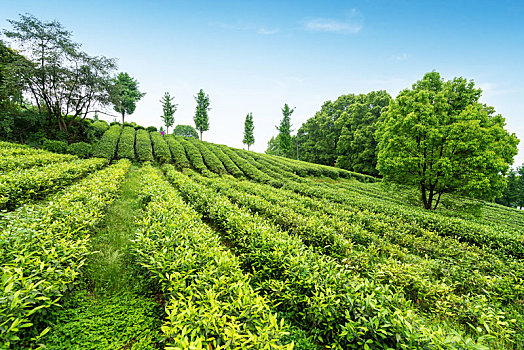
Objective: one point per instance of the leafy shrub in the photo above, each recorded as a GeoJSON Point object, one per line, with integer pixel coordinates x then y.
{"type": "Point", "coordinates": [55, 146]}
{"type": "Point", "coordinates": [151, 128]}
{"type": "Point", "coordinates": [194, 156]}
{"type": "Point", "coordinates": [99, 128]}
{"type": "Point", "coordinates": [106, 147]}
{"type": "Point", "coordinates": [126, 144]}
{"type": "Point", "coordinates": [178, 153]}
{"type": "Point", "coordinates": [115, 123]}
{"type": "Point", "coordinates": [212, 162]}
{"type": "Point", "coordinates": [80, 149]}
{"type": "Point", "coordinates": [144, 151]}
{"type": "Point", "coordinates": [139, 127]}
{"type": "Point", "coordinates": [44, 248]}
{"type": "Point", "coordinates": [160, 147]}
{"type": "Point", "coordinates": [185, 131]}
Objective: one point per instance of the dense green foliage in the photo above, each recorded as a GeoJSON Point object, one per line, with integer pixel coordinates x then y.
{"type": "Point", "coordinates": [513, 194]}
{"type": "Point", "coordinates": [249, 138]}
{"type": "Point", "coordinates": [201, 117]}
{"type": "Point", "coordinates": [55, 146]}
{"type": "Point", "coordinates": [143, 147]}
{"type": "Point", "coordinates": [43, 248]}
{"type": "Point", "coordinates": [19, 186]}
{"type": "Point", "coordinates": [212, 162]}
{"type": "Point", "coordinates": [210, 302]}
{"type": "Point", "coordinates": [178, 153]}
{"type": "Point", "coordinates": [106, 147]}
{"type": "Point", "coordinates": [284, 131]}
{"type": "Point", "coordinates": [343, 132]}
{"type": "Point", "coordinates": [313, 290]}
{"type": "Point", "coordinates": [13, 157]}
{"type": "Point", "coordinates": [194, 155]}
{"type": "Point", "coordinates": [80, 149]}
{"type": "Point", "coordinates": [64, 83]}
{"type": "Point", "coordinates": [185, 131]}
{"type": "Point", "coordinates": [160, 148]}
{"type": "Point", "coordinates": [126, 143]}
{"type": "Point", "coordinates": [125, 94]}
{"type": "Point", "coordinates": [437, 136]}
{"type": "Point", "coordinates": [230, 166]}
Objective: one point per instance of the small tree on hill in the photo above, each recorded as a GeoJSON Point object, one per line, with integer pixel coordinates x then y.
{"type": "Point", "coordinates": [201, 117]}
{"type": "Point", "coordinates": [185, 131]}
{"type": "Point", "coordinates": [125, 94]}
{"type": "Point", "coordinates": [284, 129]}
{"type": "Point", "coordinates": [249, 138]}
{"type": "Point", "coordinates": [437, 136]}
{"type": "Point", "coordinates": [169, 109]}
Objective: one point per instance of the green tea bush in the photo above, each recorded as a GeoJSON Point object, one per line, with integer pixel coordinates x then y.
{"type": "Point", "coordinates": [212, 162]}
{"type": "Point", "coordinates": [177, 152]}
{"type": "Point", "coordinates": [99, 128]}
{"type": "Point", "coordinates": [126, 144]}
{"type": "Point", "coordinates": [144, 150]}
{"type": "Point", "coordinates": [210, 302]}
{"type": "Point", "coordinates": [194, 156]}
{"type": "Point", "coordinates": [43, 249]}
{"type": "Point", "coordinates": [160, 147]}
{"type": "Point", "coordinates": [12, 158]}
{"type": "Point", "coordinates": [80, 149]}
{"type": "Point", "coordinates": [23, 185]}
{"type": "Point", "coordinates": [55, 146]}
{"type": "Point", "coordinates": [106, 146]}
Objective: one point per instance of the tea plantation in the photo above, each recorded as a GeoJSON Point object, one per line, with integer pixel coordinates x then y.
{"type": "Point", "coordinates": [163, 242]}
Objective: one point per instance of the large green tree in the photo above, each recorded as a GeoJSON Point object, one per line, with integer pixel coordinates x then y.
{"type": "Point", "coordinates": [125, 94]}
{"type": "Point", "coordinates": [343, 132]}
{"type": "Point", "coordinates": [169, 109]}
{"type": "Point", "coordinates": [356, 147]}
{"type": "Point", "coordinates": [201, 117]}
{"type": "Point", "coordinates": [284, 131]}
{"type": "Point", "coordinates": [63, 82]}
{"type": "Point", "coordinates": [249, 138]}
{"type": "Point", "coordinates": [437, 136]}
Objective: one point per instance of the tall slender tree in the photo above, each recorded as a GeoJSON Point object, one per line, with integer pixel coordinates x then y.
{"type": "Point", "coordinates": [169, 109]}
{"type": "Point", "coordinates": [201, 118]}
{"type": "Point", "coordinates": [249, 138]}
{"type": "Point", "coordinates": [125, 94]}
{"type": "Point", "coordinates": [284, 129]}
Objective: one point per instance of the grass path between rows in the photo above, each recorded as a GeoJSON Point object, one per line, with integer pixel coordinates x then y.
{"type": "Point", "coordinates": [113, 307]}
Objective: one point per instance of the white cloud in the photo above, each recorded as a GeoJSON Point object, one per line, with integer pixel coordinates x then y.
{"type": "Point", "coordinates": [402, 57]}
{"type": "Point", "coordinates": [264, 31]}
{"type": "Point", "coordinates": [352, 24]}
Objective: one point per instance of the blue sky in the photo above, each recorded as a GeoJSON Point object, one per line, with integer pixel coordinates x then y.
{"type": "Point", "coordinates": [254, 56]}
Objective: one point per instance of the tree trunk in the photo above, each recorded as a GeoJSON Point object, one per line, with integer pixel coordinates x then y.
{"type": "Point", "coordinates": [423, 196]}
{"type": "Point", "coordinates": [200, 135]}
{"type": "Point", "coordinates": [123, 113]}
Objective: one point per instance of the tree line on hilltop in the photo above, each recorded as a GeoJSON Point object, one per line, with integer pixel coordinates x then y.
{"type": "Point", "coordinates": [435, 136]}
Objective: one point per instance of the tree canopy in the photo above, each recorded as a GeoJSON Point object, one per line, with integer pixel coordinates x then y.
{"type": "Point", "coordinates": [201, 118]}
{"type": "Point", "coordinates": [169, 109]}
{"type": "Point", "coordinates": [63, 82]}
{"type": "Point", "coordinates": [185, 131]}
{"type": "Point", "coordinates": [249, 138]}
{"type": "Point", "coordinates": [285, 144]}
{"type": "Point", "coordinates": [343, 132]}
{"type": "Point", "coordinates": [438, 137]}
{"type": "Point", "coordinates": [125, 94]}
{"type": "Point", "coordinates": [513, 194]}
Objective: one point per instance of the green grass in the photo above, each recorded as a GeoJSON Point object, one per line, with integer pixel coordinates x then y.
{"type": "Point", "coordinates": [114, 308]}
